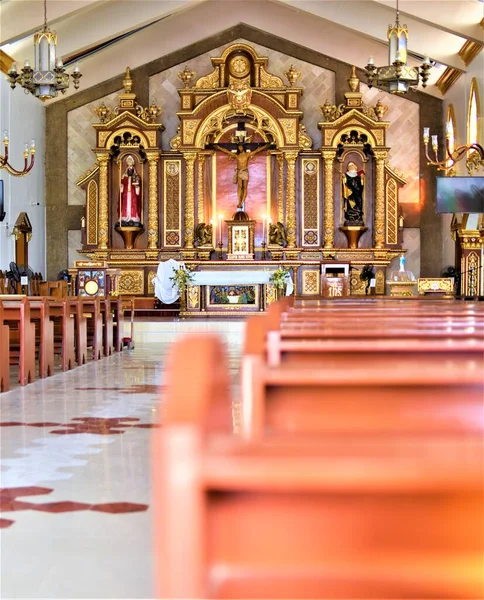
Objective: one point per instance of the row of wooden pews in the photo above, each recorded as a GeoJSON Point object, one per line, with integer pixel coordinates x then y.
{"type": "Point", "coordinates": [35, 329]}
{"type": "Point", "coordinates": [359, 470]}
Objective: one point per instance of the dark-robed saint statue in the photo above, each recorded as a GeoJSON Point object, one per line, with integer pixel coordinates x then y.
{"type": "Point", "coordinates": [353, 186]}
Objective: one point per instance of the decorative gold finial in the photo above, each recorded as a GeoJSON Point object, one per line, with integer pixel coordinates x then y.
{"type": "Point", "coordinates": [292, 75]}
{"type": "Point", "coordinates": [150, 113]}
{"type": "Point", "coordinates": [127, 81]}
{"type": "Point", "coordinates": [186, 76]}
{"type": "Point", "coordinates": [380, 110]}
{"type": "Point", "coordinates": [353, 80]}
{"type": "Point", "coordinates": [103, 112]}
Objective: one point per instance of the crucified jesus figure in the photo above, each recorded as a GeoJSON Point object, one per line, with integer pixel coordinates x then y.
{"type": "Point", "coordinates": [241, 175]}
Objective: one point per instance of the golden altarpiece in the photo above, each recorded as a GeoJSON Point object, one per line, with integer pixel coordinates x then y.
{"type": "Point", "coordinates": [145, 204]}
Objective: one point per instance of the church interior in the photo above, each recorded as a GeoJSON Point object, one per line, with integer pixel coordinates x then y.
{"type": "Point", "coordinates": [242, 299]}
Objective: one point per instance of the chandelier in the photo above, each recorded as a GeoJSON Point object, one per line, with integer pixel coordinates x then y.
{"type": "Point", "coordinates": [397, 77]}
{"type": "Point", "coordinates": [4, 164]}
{"type": "Point", "coordinates": [474, 153]}
{"type": "Point", "coordinates": [49, 76]}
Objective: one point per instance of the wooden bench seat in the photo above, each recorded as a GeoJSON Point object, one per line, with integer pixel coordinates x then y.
{"type": "Point", "coordinates": [16, 314]}
{"type": "Point", "coordinates": [4, 354]}
{"type": "Point", "coordinates": [40, 315]}
{"type": "Point", "coordinates": [367, 515]}
{"type": "Point", "coordinates": [62, 314]}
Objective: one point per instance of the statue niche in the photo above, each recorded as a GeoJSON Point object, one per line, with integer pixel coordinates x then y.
{"type": "Point", "coordinates": [129, 222]}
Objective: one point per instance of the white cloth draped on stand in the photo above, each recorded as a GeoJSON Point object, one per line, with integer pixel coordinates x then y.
{"type": "Point", "coordinates": [165, 289]}
{"type": "Point", "coordinates": [168, 293]}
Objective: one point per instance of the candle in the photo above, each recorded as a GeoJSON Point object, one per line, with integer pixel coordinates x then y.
{"type": "Point", "coordinates": [371, 60]}
{"type": "Point", "coordinates": [426, 134]}
{"type": "Point", "coordinates": [263, 228]}
{"type": "Point", "coordinates": [220, 217]}
{"type": "Point", "coordinates": [435, 142]}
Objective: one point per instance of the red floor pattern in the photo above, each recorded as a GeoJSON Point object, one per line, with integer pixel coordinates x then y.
{"type": "Point", "coordinates": [9, 502]}
{"type": "Point", "coordinates": [95, 425]}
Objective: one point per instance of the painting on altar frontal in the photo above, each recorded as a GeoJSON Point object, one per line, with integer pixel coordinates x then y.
{"type": "Point", "coordinates": [232, 294]}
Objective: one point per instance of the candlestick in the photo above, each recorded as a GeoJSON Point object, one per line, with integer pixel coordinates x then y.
{"type": "Point", "coordinates": [263, 253]}
{"type": "Point", "coordinates": [263, 227]}
{"type": "Point", "coordinates": [220, 217]}
{"type": "Point", "coordinates": [220, 254]}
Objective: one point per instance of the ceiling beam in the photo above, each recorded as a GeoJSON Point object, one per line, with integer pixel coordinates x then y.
{"type": "Point", "coordinates": [458, 17]}
{"type": "Point", "coordinates": [371, 19]}
{"type": "Point", "coordinates": [104, 22]}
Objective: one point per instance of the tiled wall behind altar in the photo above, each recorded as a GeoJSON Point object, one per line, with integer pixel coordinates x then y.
{"type": "Point", "coordinates": [403, 137]}
{"type": "Point", "coordinates": [81, 139]}
{"type": "Point", "coordinates": [318, 85]}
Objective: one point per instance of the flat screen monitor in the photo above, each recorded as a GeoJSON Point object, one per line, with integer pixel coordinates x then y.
{"type": "Point", "coordinates": [460, 195]}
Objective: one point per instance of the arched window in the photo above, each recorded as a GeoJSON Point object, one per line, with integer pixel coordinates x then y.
{"type": "Point", "coordinates": [473, 115]}
{"type": "Point", "coordinates": [450, 128]}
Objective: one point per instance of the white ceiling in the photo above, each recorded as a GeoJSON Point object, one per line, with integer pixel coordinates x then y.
{"type": "Point", "coordinates": [348, 30]}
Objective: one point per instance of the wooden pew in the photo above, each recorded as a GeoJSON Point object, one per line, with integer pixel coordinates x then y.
{"type": "Point", "coordinates": [4, 354]}
{"type": "Point", "coordinates": [91, 310]}
{"type": "Point", "coordinates": [340, 517]}
{"type": "Point", "coordinates": [107, 326]}
{"type": "Point", "coordinates": [40, 315]}
{"type": "Point", "coordinates": [62, 314]}
{"type": "Point", "coordinates": [118, 322]}
{"type": "Point", "coordinates": [16, 314]}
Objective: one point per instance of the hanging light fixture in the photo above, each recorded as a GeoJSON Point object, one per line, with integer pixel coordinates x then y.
{"type": "Point", "coordinates": [397, 77]}
{"type": "Point", "coordinates": [49, 75]}
{"type": "Point", "coordinates": [4, 164]}
{"type": "Point", "coordinates": [473, 153]}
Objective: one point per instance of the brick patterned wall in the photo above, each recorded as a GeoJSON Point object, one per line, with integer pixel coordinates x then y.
{"type": "Point", "coordinates": [318, 85]}
{"type": "Point", "coordinates": [81, 138]}
{"type": "Point", "coordinates": [403, 137]}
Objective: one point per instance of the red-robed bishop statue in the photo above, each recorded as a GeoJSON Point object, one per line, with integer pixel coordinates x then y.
{"type": "Point", "coordinates": [130, 192]}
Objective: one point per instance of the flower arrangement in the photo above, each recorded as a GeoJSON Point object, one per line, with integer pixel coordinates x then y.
{"type": "Point", "coordinates": [279, 278]}
{"type": "Point", "coordinates": [182, 278]}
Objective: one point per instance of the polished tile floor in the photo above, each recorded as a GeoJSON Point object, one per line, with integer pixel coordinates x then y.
{"type": "Point", "coordinates": [75, 497]}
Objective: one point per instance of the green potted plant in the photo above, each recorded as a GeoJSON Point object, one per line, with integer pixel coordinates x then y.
{"type": "Point", "coordinates": [279, 280]}
{"type": "Point", "coordinates": [182, 278]}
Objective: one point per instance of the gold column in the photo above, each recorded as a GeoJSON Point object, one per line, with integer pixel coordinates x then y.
{"type": "Point", "coordinates": [103, 237]}
{"type": "Point", "coordinates": [280, 191]}
{"type": "Point", "coordinates": [291, 198]}
{"type": "Point", "coordinates": [153, 158]}
{"type": "Point", "coordinates": [379, 220]}
{"type": "Point", "coordinates": [201, 188]}
{"type": "Point", "coordinates": [328, 157]}
{"type": "Point", "coordinates": [190, 158]}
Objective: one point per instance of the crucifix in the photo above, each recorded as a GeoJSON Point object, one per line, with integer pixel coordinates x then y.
{"type": "Point", "coordinates": [242, 150]}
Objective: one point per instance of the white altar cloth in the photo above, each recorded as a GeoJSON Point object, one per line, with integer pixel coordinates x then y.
{"type": "Point", "coordinates": [168, 293]}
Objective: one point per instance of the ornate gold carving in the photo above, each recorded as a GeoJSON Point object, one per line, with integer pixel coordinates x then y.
{"type": "Point", "coordinates": [190, 158]}
{"type": "Point", "coordinates": [186, 76]}
{"type": "Point", "coordinates": [153, 158]}
{"type": "Point", "coordinates": [271, 294]}
{"type": "Point", "coordinates": [292, 100]}
{"type": "Point", "coordinates": [103, 112]}
{"type": "Point", "coordinates": [310, 282]}
{"type": "Point", "coordinates": [435, 284]}
{"type": "Point", "coordinates": [380, 283]}
{"type": "Point", "coordinates": [127, 81]}
{"type": "Point", "coordinates": [392, 212]}
{"type": "Point", "coordinates": [310, 202]}
{"type": "Point", "coordinates": [331, 112]}
{"type": "Point", "coordinates": [193, 296]}
{"type": "Point", "coordinates": [280, 188]}
{"type": "Point", "coordinates": [131, 282]}
{"type": "Point", "coordinates": [328, 157]}
{"type": "Point", "coordinates": [210, 81]}
{"type": "Point", "coordinates": [103, 159]}
{"type": "Point", "coordinates": [172, 200]}
{"type": "Point", "coordinates": [292, 75]}
{"type": "Point", "coordinates": [186, 102]}
{"type": "Point", "coordinates": [239, 96]}
{"type": "Point", "coordinates": [379, 135]}
{"type": "Point", "coordinates": [175, 141]}
{"type": "Point", "coordinates": [239, 66]}
{"type": "Point", "coordinates": [102, 137]}
{"type": "Point", "coordinates": [151, 135]}
{"type": "Point", "coordinates": [151, 287]}
{"type": "Point", "coordinates": [379, 226]}
{"type": "Point", "coordinates": [328, 136]}
{"type": "Point", "coordinates": [269, 81]}
{"type": "Point", "coordinates": [305, 140]}
{"type": "Point", "coordinates": [87, 174]}
{"type": "Point", "coordinates": [291, 158]}
{"type": "Point", "coordinates": [201, 188]}
{"type": "Point", "coordinates": [357, 287]}
{"type": "Point", "coordinates": [91, 209]}
{"type": "Point", "coordinates": [189, 130]}
{"type": "Point", "coordinates": [289, 128]}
